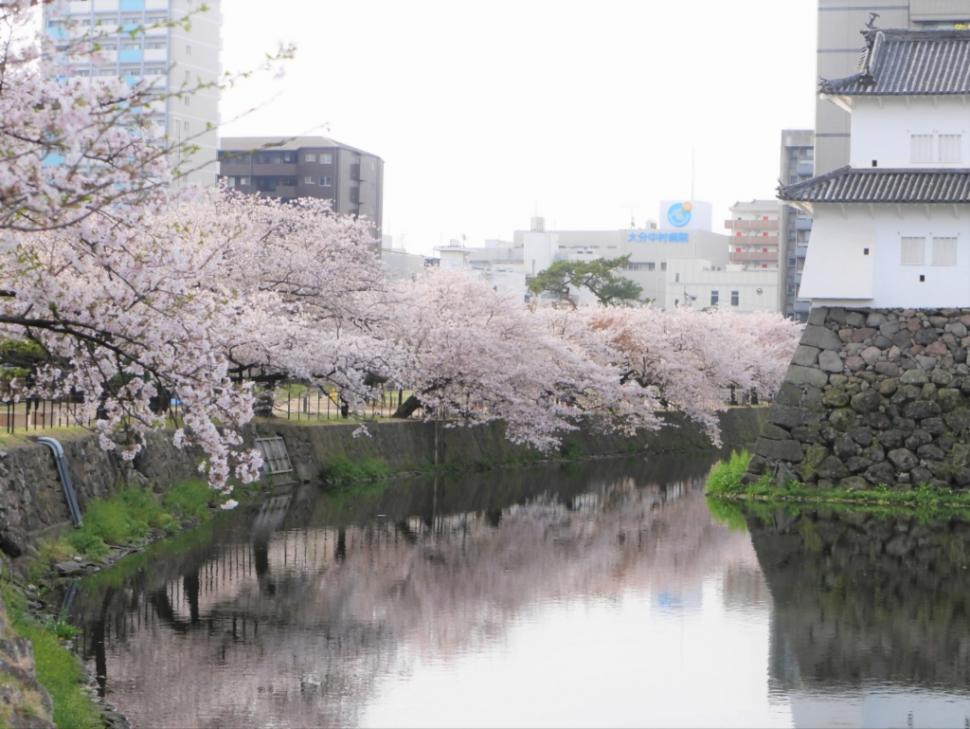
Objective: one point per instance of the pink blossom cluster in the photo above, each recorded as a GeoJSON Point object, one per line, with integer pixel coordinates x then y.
{"type": "Point", "coordinates": [138, 294]}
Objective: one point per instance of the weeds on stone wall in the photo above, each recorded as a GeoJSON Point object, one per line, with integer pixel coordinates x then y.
{"type": "Point", "coordinates": [340, 471]}
{"type": "Point", "coordinates": [924, 501]}
{"type": "Point", "coordinates": [127, 517]}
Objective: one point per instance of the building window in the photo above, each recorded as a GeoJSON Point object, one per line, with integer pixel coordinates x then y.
{"type": "Point", "coordinates": [714, 297]}
{"type": "Point", "coordinates": [326, 158]}
{"type": "Point", "coordinates": [945, 251]}
{"type": "Point", "coordinates": [677, 278]}
{"type": "Point", "coordinates": [310, 157]}
{"type": "Point", "coordinates": [242, 182]}
{"type": "Point", "coordinates": [735, 298]}
{"type": "Point", "coordinates": [663, 265]}
{"type": "Point", "coordinates": [951, 148]}
{"type": "Point", "coordinates": [920, 148]}
{"type": "Point", "coordinates": [309, 180]}
{"type": "Point", "coordinates": [651, 266]}
{"type": "Point", "coordinates": [326, 181]}
{"type": "Point", "coordinates": [912, 251]}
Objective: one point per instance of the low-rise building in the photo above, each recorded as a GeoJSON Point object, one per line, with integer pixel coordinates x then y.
{"type": "Point", "coordinates": [700, 284]}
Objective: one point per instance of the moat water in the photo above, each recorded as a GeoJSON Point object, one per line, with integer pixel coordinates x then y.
{"type": "Point", "coordinates": [602, 594]}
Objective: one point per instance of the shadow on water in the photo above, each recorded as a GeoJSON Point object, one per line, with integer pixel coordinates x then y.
{"type": "Point", "coordinates": [871, 618]}
{"type": "Point", "coordinates": [308, 595]}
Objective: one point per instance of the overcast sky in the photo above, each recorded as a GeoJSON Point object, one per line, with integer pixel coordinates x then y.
{"type": "Point", "coordinates": [488, 111]}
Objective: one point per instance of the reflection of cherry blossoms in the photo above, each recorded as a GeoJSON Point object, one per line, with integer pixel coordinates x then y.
{"type": "Point", "coordinates": [304, 622]}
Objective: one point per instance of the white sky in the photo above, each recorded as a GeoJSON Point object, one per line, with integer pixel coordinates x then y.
{"type": "Point", "coordinates": [485, 111]}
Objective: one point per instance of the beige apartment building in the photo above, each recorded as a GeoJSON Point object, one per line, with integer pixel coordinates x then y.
{"type": "Point", "coordinates": [839, 48]}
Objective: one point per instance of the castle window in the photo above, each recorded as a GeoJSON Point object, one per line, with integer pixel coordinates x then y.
{"type": "Point", "coordinates": [912, 251]}
{"type": "Point", "coordinates": [920, 148]}
{"type": "Point", "coordinates": [951, 148]}
{"type": "Point", "coordinates": [945, 251]}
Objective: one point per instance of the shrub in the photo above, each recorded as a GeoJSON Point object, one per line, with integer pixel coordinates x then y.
{"type": "Point", "coordinates": [341, 471]}
{"type": "Point", "coordinates": [725, 476]}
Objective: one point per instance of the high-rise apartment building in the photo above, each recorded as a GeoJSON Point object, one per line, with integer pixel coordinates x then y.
{"type": "Point", "coordinates": [840, 45]}
{"type": "Point", "coordinates": [293, 167]}
{"type": "Point", "coordinates": [754, 230]}
{"type": "Point", "coordinates": [797, 165]}
{"type": "Point", "coordinates": [145, 40]}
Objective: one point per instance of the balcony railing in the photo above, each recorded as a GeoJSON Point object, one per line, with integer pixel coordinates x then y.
{"type": "Point", "coordinates": [752, 224]}
{"type": "Point", "coordinates": [759, 256]}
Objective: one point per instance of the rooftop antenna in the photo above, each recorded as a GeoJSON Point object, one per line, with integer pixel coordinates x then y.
{"type": "Point", "coordinates": [632, 207]}
{"type": "Point", "coordinates": [871, 23]}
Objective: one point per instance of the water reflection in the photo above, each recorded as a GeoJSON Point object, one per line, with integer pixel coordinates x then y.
{"type": "Point", "coordinates": [544, 597]}
{"type": "Point", "coordinates": [871, 620]}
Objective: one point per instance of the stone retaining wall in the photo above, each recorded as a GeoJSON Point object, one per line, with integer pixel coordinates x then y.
{"type": "Point", "coordinates": [873, 397]}
{"type": "Point", "coordinates": [32, 501]}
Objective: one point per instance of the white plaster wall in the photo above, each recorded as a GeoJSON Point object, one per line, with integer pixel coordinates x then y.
{"type": "Point", "coordinates": [539, 251]}
{"type": "Point", "coordinates": [837, 271]}
{"type": "Point", "coordinates": [881, 128]}
{"type": "Point", "coordinates": [757, 290]}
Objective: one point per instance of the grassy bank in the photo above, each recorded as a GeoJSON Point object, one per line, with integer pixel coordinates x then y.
{"type": "Point", "coordinates": [57, 669]}
{"type": "Point", "coordinates": [126, 518]}
{"type": "Point", "coordinates": [725, 483]}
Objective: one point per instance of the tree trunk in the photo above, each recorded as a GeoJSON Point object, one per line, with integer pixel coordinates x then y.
{"type": "Point", "coordinates": [407, 408]}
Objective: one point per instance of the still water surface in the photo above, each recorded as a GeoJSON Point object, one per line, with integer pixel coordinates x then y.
{"type": "Point", "coordinates": [599, 595]}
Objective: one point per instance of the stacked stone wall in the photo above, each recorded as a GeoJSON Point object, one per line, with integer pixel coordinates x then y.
{"type": "Point", "coordinates": [873, 397]}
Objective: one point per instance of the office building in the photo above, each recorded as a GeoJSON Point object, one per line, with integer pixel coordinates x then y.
{"type": "Point", "coordinates": [143, 40]}
{"type": "Point", "coordinates": [292, 167]}
{"type": "Point", "coordinates": [797, 165]}
{"type": "Point", "coordinates": [839, 48]}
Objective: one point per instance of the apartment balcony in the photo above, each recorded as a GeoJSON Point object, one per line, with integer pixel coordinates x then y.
{"type": "Point", "coordinates": [803, 223]}
{"type": "Point", "coordinates": [770, 256]}
{"type": "Point", "coordinates": [743, 225]}
{"type": "Point", "coordinates": [753, 240]}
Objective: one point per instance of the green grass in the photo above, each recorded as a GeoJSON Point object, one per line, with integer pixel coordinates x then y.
{"type": "Point", "coordinates": [725, 476]}
{"type": "Point", "coordinates": [924, 501]}
{"type": "Point", "coordinates": [58, 670]}
{"type": "Point", "coordinates": [342, 471]}
{"type": "Point", "coordinates": [128, 517]}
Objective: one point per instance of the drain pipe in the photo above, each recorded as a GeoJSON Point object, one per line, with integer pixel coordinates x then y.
{"type": "Point", "coordinates": [69, 494]}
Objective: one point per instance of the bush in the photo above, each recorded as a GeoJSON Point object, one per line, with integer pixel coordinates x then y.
{"type": "Point", "coordinates": [725, 476]}
{"type": "Point", "coordinates": [344, 472]}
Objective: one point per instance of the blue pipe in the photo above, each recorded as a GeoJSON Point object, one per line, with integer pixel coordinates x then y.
{"type": "Point", "coordinates": [69, 494]}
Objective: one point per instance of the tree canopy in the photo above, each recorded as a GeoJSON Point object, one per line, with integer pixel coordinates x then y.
{"type": "Point", "coordinates": [599, 277]}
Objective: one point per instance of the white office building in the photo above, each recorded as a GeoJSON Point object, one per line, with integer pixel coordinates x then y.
{"type": "Point", "coordinates": [892, 229]}
{"type": "Point", "coordinates": [141, 39]}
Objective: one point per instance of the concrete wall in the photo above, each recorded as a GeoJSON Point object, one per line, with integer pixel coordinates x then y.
{"type": "Point", "coordinates": [32, 501]}
{"type": "Point", "coordinates": [873, 397]}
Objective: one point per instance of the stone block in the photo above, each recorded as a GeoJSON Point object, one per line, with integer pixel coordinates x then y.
{"type": "Point", "coordinates": [920, 409]}
{"type": "Point", "coordinates": [832, 468]}
{"type": "Point", "coordinates": [829, 361]}
{"type": "Point", "coordinates": [956, 328]}
{"type": "Point", "coordinates": [933, 426]}
{"type": "Point", "coordinates": [903, 459]}
{"type": "Point", "coordinates": [817, 315]}
{"type": "Point", "coordinates": [917, 439]}
{"type": "Point", "coordinates": [855, 319]}
{"type": "Point", "coordinates": [806, 356]}
{"type": "Point", "coordinates": [779, 450]}
{"type": "Point", "coordinates": [774, 432]}
{"type": "Point", "coordinates": [799, 375]}
{"type": "Point", "coordinates": [875, 319]}
{"type": "Point", "coordinates": [787, 416]}
{"type": "Point", "coordinates": [914, 377]}
{"type": "Point", "coordinates": [881, 474]}
{"type": "Point", "coordinates": [888, 387]}
{"type": "Point", "coordinates": [834, 397]}
{"type": "Point", "coordinates": [821, 338]}
{"type": "Point", "coordinates": [866, 401]}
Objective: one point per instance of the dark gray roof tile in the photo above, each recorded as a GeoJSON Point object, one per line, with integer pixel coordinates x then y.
{"type": "Point", "coordinates": [908, 62]}
{"type": "Point", "coordinates": [847, 185]}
